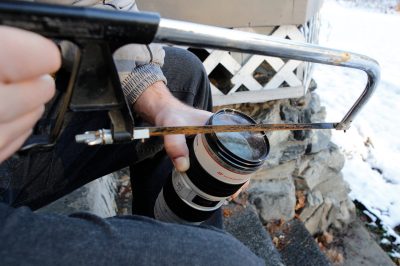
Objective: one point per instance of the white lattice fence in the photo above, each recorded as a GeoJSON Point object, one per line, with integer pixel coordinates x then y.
{"type": "Point", "coordinates": [239, 78]}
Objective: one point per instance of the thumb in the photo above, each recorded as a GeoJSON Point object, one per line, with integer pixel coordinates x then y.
{"type": "Point", "coordinates": [177, 150]}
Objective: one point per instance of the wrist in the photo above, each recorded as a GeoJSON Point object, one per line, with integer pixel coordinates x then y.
{"type": "Point", "coordinates": [153, 102]}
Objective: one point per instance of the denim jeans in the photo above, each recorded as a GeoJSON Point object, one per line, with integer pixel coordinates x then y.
{"type": "Point", "coordinates": [39, 177]}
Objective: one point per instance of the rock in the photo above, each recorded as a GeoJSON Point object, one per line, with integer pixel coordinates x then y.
{"type": "Point", "coordinates": [312, 208]}
{"type": "Point", "coordinates": [292, 151]}
{"type": "Point", "coordinates": [315, 103]}
{"type": "Point", "coordinates": [277, 140]}
{"type": "Point", "coordinates": [321, 167]}
{"type": "Point", "coordinates": [320, 219]}
{"type": "Point", "coordinates": [306, 117]}
{"type": "Point", "coordinates": [323, 211]}
{"type": "Point", "coordinates": [345, 215]}
{"type": "Point", "coordinates": [312, 86]}
{"type": "Point", "coordinates": [315, 174]}
{"type": "Point", "coordinates": [315, 198]}
{"type": "Point", "coordinates": [320, 116]}
{"type": "Point", "coordinates": [303, 164]}
{"type": "Point", "coordinates": [297, 246]}
{"type": "Point", "coordinates": [301, 135]}
{"type": "Point", "coordinates": [311, 218]}
{"type": "Point", "coordinates": [319, 141]}
{"type": "Point", "coordinates": [335, 159]}
{"type": "Point", "coordinates": [96, 197]}
{"type": "Point", "coordinates": [327, 202]}
{"type": "Point", "coordinates": [273, 199]}
{"type": "Point", "coordinates": [269, 113]}
{"type": "Point", "coordinates": [397, 229]}
{"type": "Point", "coordinates": [361, 249]}
{"type": "Point", "coordinates": [289, 114]}
{"type": "Point", "coordinates": [334, 187]}
{"type": "Point", "coordinates": [281, 171]}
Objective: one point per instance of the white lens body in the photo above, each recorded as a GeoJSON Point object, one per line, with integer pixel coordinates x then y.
{"type": "Point", "coordinates": [163, 213]}
{"type": "Point", "coordinates": [220, 165]}
{"type": "Point", "coordinates": [187, 191]}
{"type": "Point", "coordinates": [214, 166]}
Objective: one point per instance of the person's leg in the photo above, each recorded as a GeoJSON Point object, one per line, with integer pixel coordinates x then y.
{"type": "Point", "coordinates": [84, 239]}
{"type": "Point", "coordinates": [187, 79]}
{"type": "Point", "coordinates": [38, 177]}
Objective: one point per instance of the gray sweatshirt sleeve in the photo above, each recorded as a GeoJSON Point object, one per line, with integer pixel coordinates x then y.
{"type": "Point", "coordinates": [139, 66]}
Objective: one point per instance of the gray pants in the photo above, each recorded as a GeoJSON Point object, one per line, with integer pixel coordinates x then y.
{"type": "Point", "coordinates": [41, 176]}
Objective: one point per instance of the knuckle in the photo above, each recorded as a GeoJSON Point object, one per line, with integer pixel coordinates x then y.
{"type": "Point", "coordinates": [40, 111]}
{"type": "Point", "coordinates": [173, 148]}
{"type": "Point", "coordinates": [3, 114]}
{"type": "Point", "coordinates": [54, 57]}
{"type": "Point", "coordinates": [3, 108]}
{"type": "Point", "coordinates": [47, 86]}
{"type": "Point", "coordinates": [5, 138]}
{"type": "Point", "coordinates": [175, 143]}
{"type": "Point", "coordinates": [35, 115]}
{"type": "Point", "coordinates": [48, 82]}
{"type": "Point", "coordinates": [2, 141]}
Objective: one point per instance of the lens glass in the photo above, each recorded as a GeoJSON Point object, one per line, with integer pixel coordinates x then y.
{"type": "Point", "coordinates": [247, 145]}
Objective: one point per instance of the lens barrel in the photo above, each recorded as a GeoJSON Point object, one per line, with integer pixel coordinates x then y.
{"type": "Point", "coordinates": [220, 163]}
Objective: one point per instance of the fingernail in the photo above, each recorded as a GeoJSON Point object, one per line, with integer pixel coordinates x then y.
{"type": "Point", "coordinates": [182, 164]}
{"type": "Point", "coordinates": [47, 77]}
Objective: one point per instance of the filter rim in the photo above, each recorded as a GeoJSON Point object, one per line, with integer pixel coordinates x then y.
{"type": "Point", "coordinates": [225, 154]}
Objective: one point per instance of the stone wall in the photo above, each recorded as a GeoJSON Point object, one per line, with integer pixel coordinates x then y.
{"type": "Point", "coordinates": [302, 176]}
{"type": "Point", "coordinates": [97, 197]}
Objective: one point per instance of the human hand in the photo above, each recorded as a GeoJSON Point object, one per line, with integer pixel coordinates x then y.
{"type": "Point", "coordinates": [25, 59]}
{"type": "Point", "coordinates": [159, 107]}
{"type": "Point", "coordinates": [178, 114]}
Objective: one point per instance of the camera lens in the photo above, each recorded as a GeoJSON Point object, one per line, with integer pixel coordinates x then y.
{"type": "Point", "coordinates": [220, 163]}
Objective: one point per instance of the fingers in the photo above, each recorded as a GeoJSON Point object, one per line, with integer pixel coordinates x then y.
{"type": "Point", "coordinates": [18, 127]}
{"type": "Point", "coordinates": [177, 150]}
{"type": "Point", "coordinates": [22, 55]}
{"type": "Point", "coordinates": [25, 58]}
{"type": "Point", "coordinates": [23, 97]}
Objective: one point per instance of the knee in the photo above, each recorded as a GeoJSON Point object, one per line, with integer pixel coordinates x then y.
{"type": "Point", "coordinates": [187, 79]}
{"type": "Point", "coordinates": [186, 64]}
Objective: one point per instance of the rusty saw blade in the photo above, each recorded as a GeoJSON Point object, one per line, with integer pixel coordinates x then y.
{"type": "Point", "coordinates": [145, 132]}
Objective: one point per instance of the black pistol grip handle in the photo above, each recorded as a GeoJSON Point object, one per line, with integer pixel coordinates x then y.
{"type": "Point", "coordinates": [79, 24]}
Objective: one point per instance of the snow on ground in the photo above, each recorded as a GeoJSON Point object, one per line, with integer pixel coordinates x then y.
{"type": "Point", "coordinates": [372, 145]}
{"type": "Point", "coordinates": [387, 6]}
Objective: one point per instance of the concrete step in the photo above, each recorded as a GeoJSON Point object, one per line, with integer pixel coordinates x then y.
{"type": "Point", "coordinates": [293, 244]}
{"type": "Point", "coordinates": [360, 248]}
{"type": "Point", "coordinates": [243, 224]}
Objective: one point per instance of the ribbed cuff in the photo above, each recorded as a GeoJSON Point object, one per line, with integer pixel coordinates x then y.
{"type": "Point", "coordinates": [140, 79]}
